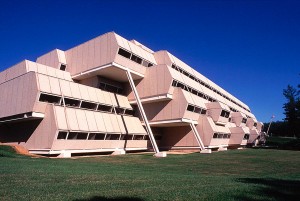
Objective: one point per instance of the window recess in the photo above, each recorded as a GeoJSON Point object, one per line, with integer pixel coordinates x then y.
{"type": "Point", "coordinates": [105, 108]}
{"type": "Point", "coordinates": [96, 136]}
{"type": "Point", "coordinates": [88, 105]}
{"type": "Point", "coordinates": [62, 135]}
{"type": "Point", "coordinates": [71, 102]}
{"type": "Point", "coordinates": [49, 98]}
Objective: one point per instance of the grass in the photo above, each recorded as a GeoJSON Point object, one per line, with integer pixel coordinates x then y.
{"type": "Point", "coordinates": [251, 174]}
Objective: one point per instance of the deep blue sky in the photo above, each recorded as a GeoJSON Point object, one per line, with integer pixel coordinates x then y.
{"type": "Point", "coordinates": [250, 48]}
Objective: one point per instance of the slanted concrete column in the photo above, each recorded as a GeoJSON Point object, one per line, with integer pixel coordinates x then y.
{"type": "Point", "coordinates": [144, 117]}
{"type": "Point", "coordinates": [199, 140]}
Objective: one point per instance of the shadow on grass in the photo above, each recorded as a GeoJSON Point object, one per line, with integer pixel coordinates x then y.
{"type": "Point", "coordinates": [100, 198]}
{"type": "Point", "coordinates": [272, 189]}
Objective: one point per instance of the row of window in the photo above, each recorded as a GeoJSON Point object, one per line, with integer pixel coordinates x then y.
{"type": "Point", "coordinates": [177, 83]}
{"type": "Point", "coordinates": [134, 58]}
{"type": "Point", "coordinates": [222, 135]}
{"type": "Point", "coordinates": [110, 88]}
{"type": "Point", "coordinates": [225, 114]}
{"type": "Point", "coordinates": [184, 72]}
{"type": "Point", "coordinates": [196, 109]}
{"type": "Point", "coordinates": [69, 102]}
{"type": "Point", "coordinates": [65, 135]}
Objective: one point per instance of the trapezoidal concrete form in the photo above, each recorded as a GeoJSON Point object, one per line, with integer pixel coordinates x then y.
{"type": "Point", "coordinates": [114, 95]}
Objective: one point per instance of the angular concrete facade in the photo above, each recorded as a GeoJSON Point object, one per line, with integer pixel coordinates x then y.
{"type": "Point", "coordinates": [114, 95]}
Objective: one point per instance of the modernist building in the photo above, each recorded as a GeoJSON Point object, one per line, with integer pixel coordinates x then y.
{"type": "Point", "coordinates": [114, 95]}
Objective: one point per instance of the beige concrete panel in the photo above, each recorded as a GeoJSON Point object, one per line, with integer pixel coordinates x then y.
{"type": "Point", "coordinates": [130, 64]}
{"type": "Point", "coordinates": [51, 71]}
{"type": "Point", "coordinates": [59, 74]}
{"type": "Point", "coordinates": [54, 85]}
{"type": "Point", "coordinates": [121, 124]}
{"type": "Point", "coordinates": [92, 94]}
{"type": "Point", "coordinates": [72, 119]}
{"type": "Point", "coordinates": [60, 118]}
{"type": "Point", "coordinates": [39, 107]}
{"type": "Point", "coordinates": [139, 129]}
{"type": "Point", "coordinates": [100, 121]}
{"type": "Point", "coordinates": [44, 134]}
{"type": "Point", "coordinates": [115, 123]}
{"type": "Point", "coordinates": [75, 91]}
{"type": "Point", "coordinates": [107, 99]}
{"type": "Point", "coordinates": [128, 123]}
{"type": "Point", "coordinates": [67, 75]}
{"type": "Point", "coordinates": [82, 121]}
{"type": "Point", "coordinates": [100, 96]}
{"type": "Point", "coordinates": [85, 56]}
{"type": "Point", "coordinates": [91, 120]}
{"type": "Point", "coordinates": [42, 69]}
{"type": "Point", "coordinates": [103, 49]}
{"type": "Point", "coordinates": [176, 75]}
{"type": "Point", "coordinates": [97, 54]}
{"type": "Point", "coordinates": [122, 42]}
{"type": "Point", "coordinates": [107, 122]}
{"type": "Point", "coordinates": [65, 88]}
{"type": "Point", "coordinates": [2, 76]}
{"type": "Point", "coordinates": [20, 96]}
{"type": "Point", "coordinates": [137, 144]}
{"type": "Point", "coordinates": [83, 92]}
{"type": "Point", "coordinates": [31, 66]}
{"type": "Point", "coordinates": [113, 46]}
{"type": "Point", "coordinates": [44, 84]}
{"type": "Point", "coordinates": [61, 56]}
{"type": "Point", "coordinates": [123, 101]}
{"type": "Point", "coordinates": [90, 53]}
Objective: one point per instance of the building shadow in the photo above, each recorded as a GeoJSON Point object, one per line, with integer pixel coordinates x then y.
{"type": "Point", "coordinates": [101, 198]}
{"type": "Point", "coordinates": [272, 189]}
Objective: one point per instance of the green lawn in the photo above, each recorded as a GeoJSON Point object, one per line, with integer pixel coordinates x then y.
{"type": "Point", "coordinates": [251, 174]}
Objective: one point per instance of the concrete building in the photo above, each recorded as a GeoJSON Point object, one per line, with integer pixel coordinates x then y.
{"type": "Point", "coordinates": [114, 95]}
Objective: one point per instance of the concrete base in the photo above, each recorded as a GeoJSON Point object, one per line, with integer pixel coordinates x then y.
{"type": "Point", "coordinates": [222, 149]}
{"type": "Point", "coordinates": [119, 152]}
{"type": "Point", "coordinates": [206, 151]}
{"type": "Point", "coordinates": [160, 155]}
{"type": "Point", "coordinates": [64, 154]}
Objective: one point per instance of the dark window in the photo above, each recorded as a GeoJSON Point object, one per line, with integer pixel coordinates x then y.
{"type": "Point", "coordinates": [72, 136]}
{"type": "Point", "coordinates": [63, 67]}
{"type": "Point", "coordinates": [129, 112]}
{"type": "Point", "coordinates": [105, 108]}
{"type": "Point", "coordinates": [225, 113]}
{"type": "Point", "coordinates": [49, 98]}
{"type": "Point", "coordinates": [147, 137]}
{"type": "Point", "coordinates": [72, 102]}
{"type": "Point", "coordinates": [190, 108]}
{"type": "Point", "coordinates": [255, 124]}
{"type": "Point", "coordinates": [180, 85]}
{"type": "Point", "coordinates": [62, 135]}
{"type": "Point", "coordinates": [119, 110]}
{"type": "Point", "coordinates": [197, 110]}
{"type": "Point", "coordinates": [112, 137]}
{"type": "Point", "coordinates": [244, 120]}
{"type": "Point", "coordinates": [81, 136]}
{"type": "Point", "coordinates": [246, 136]}
{"type": "Point", "coordinates": [124, 53]}
{"type": "Point", "coordinates": [136, 59]}
{"type": "Point", "coordinates": [96, 136]}
{"type": "Point", "coordinates": [138, 137]}
{"type": "Point", "coordinates": [147, 64]}
{"type": "Point", "coordinates": [220, 135]}
{"type": "Point", "coordinates": [215, 135]}
{"type": "Point", "coordinates": [128, 137]}
{"type": "Point", "coordinates": [88, 105]}
{"type": "Point", "coordinates": [203, 111]}
{"type": "Point", "coordinates": [174, 83]}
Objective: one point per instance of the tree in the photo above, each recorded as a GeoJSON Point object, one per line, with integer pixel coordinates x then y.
{"type": "Point", "coordinates": [292, 109]}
